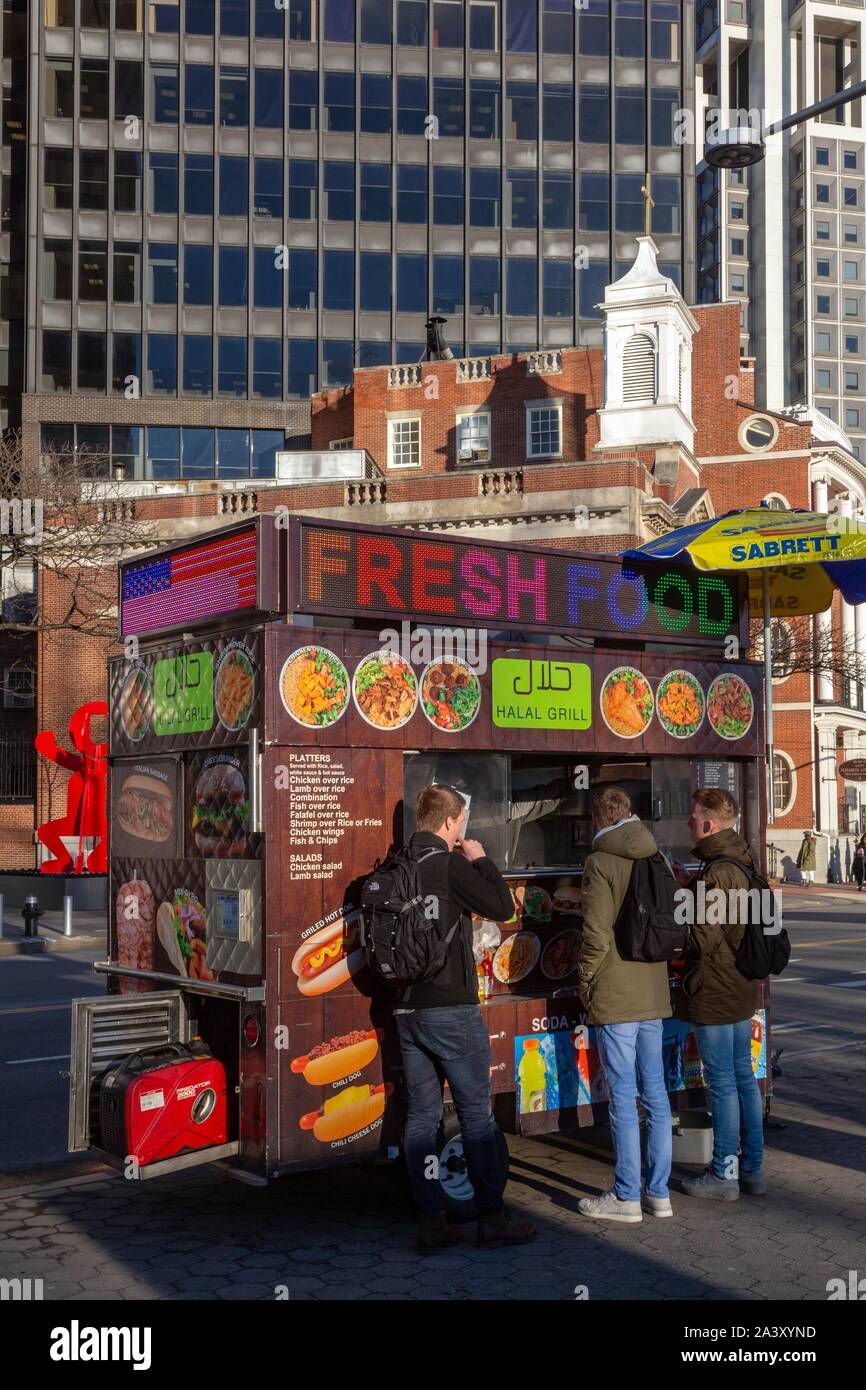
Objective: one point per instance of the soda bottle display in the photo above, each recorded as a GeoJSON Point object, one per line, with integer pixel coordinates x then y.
{"type": "Point", "coordinates": [672, 1052]}
{"type": "Point", "coordinates": [532, 1076]}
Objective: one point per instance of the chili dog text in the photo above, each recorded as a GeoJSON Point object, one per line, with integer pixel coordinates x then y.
{"type": "Point", "coordinates": [339, 1058]}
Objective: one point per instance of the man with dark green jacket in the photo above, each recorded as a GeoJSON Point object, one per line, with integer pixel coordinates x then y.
{"type": "Point", "coordinates": [625, 1001]}
{"type": "Point", "coordinates": [719, 1001]}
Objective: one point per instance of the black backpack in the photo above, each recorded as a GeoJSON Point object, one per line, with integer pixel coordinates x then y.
{"type": "Point", "coordinates": [760, 953]}
{"type": "Point", "coordinates": [400, 942]}
{"type": "Point", "coordinates": [646, 928]}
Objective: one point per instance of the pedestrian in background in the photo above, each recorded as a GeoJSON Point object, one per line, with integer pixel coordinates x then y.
{"type": "Point", "coordinates": [860, 862]}
{"type": "Point", "coordinates": [807, 860]}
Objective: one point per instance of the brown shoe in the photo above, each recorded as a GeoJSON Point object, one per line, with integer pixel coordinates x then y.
{"type": "Point", "coordinates": [434, 1234]}
{"type": "Point", "coordinates": [500, 1229]}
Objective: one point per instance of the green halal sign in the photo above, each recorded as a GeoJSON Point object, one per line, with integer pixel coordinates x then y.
{"type": "Point", "coordinates": [183, 694]}
{"type": "Point", "coordinates": [541, 694]}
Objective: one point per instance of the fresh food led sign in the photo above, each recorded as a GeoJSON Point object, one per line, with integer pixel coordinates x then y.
{"type": "Point", "coordinates": [359, 572]}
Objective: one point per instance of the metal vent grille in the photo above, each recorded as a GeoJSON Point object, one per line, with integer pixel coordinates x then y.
{"type": "Point", "coordinates": [106, 1030]}
{"type": "Point", "coordinates": [639, 369]}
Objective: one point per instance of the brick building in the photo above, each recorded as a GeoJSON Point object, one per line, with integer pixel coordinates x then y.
{"type": "Point", "coordinates": [584, 448]}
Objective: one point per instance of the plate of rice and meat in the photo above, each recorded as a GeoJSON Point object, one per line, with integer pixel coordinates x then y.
{"type": "Point", "coordinates": [314, 687]}
{"type": "Point", "coordinates": [450, 695]}
{"type": "Point", "coordinates": [385, 690]}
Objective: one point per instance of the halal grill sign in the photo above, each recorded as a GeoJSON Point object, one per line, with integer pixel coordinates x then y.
{"type": "Point", "coordinates": [356, 571]}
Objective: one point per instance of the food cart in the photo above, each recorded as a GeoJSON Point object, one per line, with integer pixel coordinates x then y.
{"type": "Point", "coordinates": [289, 685]}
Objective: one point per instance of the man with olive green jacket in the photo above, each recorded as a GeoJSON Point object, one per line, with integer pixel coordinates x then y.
{"type": "Point", "coordinates": [626, 1002]}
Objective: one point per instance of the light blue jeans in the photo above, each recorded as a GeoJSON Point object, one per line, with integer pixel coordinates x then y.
{"type": "Point", "coordinates": [631, 1055]}
{"type": "Point", "coordinates": [735, 1098]}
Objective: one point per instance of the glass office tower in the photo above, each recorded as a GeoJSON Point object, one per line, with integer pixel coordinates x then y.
{"type": "Point", "coordinates": [234, 203]}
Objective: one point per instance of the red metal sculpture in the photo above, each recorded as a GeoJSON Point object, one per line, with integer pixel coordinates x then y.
{"type": "Point", "coordinates": [85, 795]}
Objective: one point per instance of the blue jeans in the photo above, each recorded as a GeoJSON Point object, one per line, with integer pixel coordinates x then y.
{"type": "Point", "coordinates": [631, 1055]}
{"type": "Point", "coordinates": [449, 1044]}
{"type": "Point", "coordinates": [735, 1099]}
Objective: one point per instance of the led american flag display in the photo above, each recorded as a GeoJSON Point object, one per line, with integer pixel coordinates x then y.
{"type": "Point", "coordinates": [203, 580]}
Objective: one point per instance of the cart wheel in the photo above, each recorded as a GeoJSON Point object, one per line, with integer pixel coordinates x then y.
{"type": "Point", "coordinates": [458, 1196]}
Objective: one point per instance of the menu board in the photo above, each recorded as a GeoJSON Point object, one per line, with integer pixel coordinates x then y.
{"type": "Point", "coordinates": [715, 773]}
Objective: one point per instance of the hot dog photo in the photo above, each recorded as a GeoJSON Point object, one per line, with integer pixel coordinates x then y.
{"type": "Point", "coordinates": [330, 957]}
{"type": "Point", "coordinates": [346, 1114]}
{"type": "Point", "coordinates": [341, 1057]}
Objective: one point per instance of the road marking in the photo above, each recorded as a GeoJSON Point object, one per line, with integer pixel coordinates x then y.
{"type": "Point", "coordinates": [835, 941]}
{"type": "Point", "coordinates": [788, 979]}
{"type": "Point", "coordinates": [831, 1047]}
{"type": "Point", "coordinates": [799, 1027]}
{"type": "Point", "coordinates": [22, 1061]}
{"type": "Point", "coordinates": [847, 984]}
{"type": "Point", "coordinates": [35, 1009]}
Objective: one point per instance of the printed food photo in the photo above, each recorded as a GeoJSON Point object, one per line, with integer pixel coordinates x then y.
{"type": "Point", "coordinates": [385, 690]}
{"type": "Point", "coordinates": [516, 957]}
{"type": "Point", "coordinates": [335, 1060]}
{"type": "Point", "coordinates": [134, 920]}
{"type": "Point", "coordinates": [730, 706]}
{"type": "Point", "coordinates": [626, 702]}
{"type": "Point", "coordinates": [680, 704]}
{"type": "Point", "coordinates": [136, 704]}
{"type": "Point", "coordinates": [181, 928]}
{"type": "Point", "coordinates": [346, 1114]}
{"type": "Point", "coordinates": [314, 687]}
{"type": "Point", "coordinates": [450, 695]}
{"type": "Point", "coordinates": [221, 812]}
{"type": "Point", "coordinates": [330, 957]}
{"type": "Point", "coordinates": [559, 957]}
{"type": "Point", "coordinates": [144, 808]}
{"type": "Point", "coordinates": [233, 692]}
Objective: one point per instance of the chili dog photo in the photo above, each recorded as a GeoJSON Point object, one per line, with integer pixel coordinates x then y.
{"type": "Point", "coordinates": [329, 957]}
{"type": "Point", "coordinates": [339, 1058]}
{"type": "Point", "coordinates": [144, 808]}
{"type": "Point", "coordinates": [348, 1113]}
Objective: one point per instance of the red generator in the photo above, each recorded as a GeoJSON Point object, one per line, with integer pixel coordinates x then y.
{"type": "Point", "coordinates": [163, 1101]}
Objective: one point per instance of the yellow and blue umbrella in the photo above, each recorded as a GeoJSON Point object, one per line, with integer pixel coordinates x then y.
{"type": "Point", "coordinates": [794, 560]}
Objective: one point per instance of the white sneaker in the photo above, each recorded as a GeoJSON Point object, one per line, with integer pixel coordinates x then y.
{"type": "Point", "coordinates": [609, 1207]}
{"type": "Point", "coordinates": [657, 1206]}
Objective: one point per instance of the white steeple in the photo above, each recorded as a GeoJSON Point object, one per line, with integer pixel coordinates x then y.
{"type": "Point", "coordinates": [648, 335]}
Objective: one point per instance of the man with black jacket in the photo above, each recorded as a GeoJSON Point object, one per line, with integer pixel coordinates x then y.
{"type": "Point", "coordinates": [443, 1034]}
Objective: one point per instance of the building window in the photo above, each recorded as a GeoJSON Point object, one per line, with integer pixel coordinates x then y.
{"type": "Point", "coordinates": [339, 25]}
{"type": "Point", "coordinates": [338, 280]}
{"type": "Point", "coordinates": [199, 16]}
{"type": "Point", "coordinates": [269, 98]}
{"type": "Point", "coordinates": [473, 437]}
{"type": "Point", "coordinates": [738, 284]}
{"type": "Point", "coordinates": [57, 183]}
{"type": "Point", "coordinates": [593, 22]}
{"type": "Point", "coordinates": [852, 307]}
{"type": "Point", "coordinates": [404, 443]}
{"type": "Point", "coordinates": [303, 271]}
{"type": "Point", "coordinates": [594, 202]}
{"type": "Point", "coordinates": [234, 18]}
{"type": "Point", "coordinates": [593, 112]}
{"type": "Point", "coordinates": [758, 432]}
{"type": "Point", "coordinates": [412, 193]}
{"type": "Point", "coordinates": [822, 155]}
{"type": "Point", "coordinates": [484, 100]}
{"type": "Point", "coordinates": [521, 286]}
{"type": "Point", "coordinates": [558, 201]}
{"type": "Point", "coordinates": [267, 368]}
{"type": "Point", "coordinates": [235, 97]}
{"type": "Point", "coordinates": [849, 159]}
{"type": "Point", "coordinates": [233, 276]}
{"type": "Point", "coordinates": [411, 105]}
{"type": "Point", "coordinates": [447, 23]}
{"type": "Point", "coordinates": [375, 281]}
{"type": "Point", "coordinates": [303, 99]}
{"type": "Point", "coordinates": [199, 453]}
{"type": "Point", "coordinates": [163, 182]}
{"type": "Point", "coordinates": [852, 417]}
{"type": "Point", "coordinates": [340, 101]}
{"type": "Point", "coordinates": [57, 270]}
{"type": "Point", "coordinates": [629, 29]}
{"type": "Point", "coordinates": [337, 445]}
{"type": "Point", "coordinates": [412, 23]}
{"type": "Point", "coordinates": [484, 272]}
{"type": "Point", "coordinates": [738, 246]}
{"type": "Point", "coordinates": [851, 270]}
{"type": "Point", "coordinates": [852, 342]}
{"type": "Point", "coordinates": [448, 105]}
{"type": "Point", "coordinates": [232, 366]}
{"type": "Point", "coordinates": [375, 22]}
{"type": "Point", "coordinates": [852, 380]}
{"type": "Point", "coordinates": [19, 687]}
{"type": "Point", "coordinates": [375, 103]}
{"type": "Point", "coordinates": [521, 208]}
{"type": "Point", "coordinates": [165, 91]}
{"type": "Point", "coordinates": [822, 302]}
{"type": "Point", "coordinates": [302, 190]}
{"type": "Point", "coordinates": [59, 89]}
{"type": "Point", "coordinates": [639, 369]}
{"type": "Point", "coordinates": [783, 783]}
{"type": "Point", "coordinates": [485, 196]}
{"type": "Point", "coordinates": [823, 343]}
{"type": "Point", "coordinates": [197, 364]}
{"type": "Point", "coordinates": [558, 289]}
{"type": "Point", "coordinates": [128, 90]}
{"type": "Point", "coordinates": [822, 269]}
{"type": "Point", "coordinates": [850, 232]}
{"type": "Point", "coordinates": [126, 287]}
{"type": "Point", "coordinates": [198, 185]}
{"type": "Point", "coordinates": [198, 91]}
{"type": "Point", "coordinates": [448, 285]}
{"type": "Point", "coordinates": [375, 193]}
{"type": "Point", "coordinates": [521, 111]}
{"type": "Point", "coordinates": [822, 231]}
{"type": "Point", "coordinates": [93, 90]}
{"type": "Point", "coordinates": [558, 112]}
{"type": "Point", "coordinates": [824, 379]}
{"type": "Point", "coordinates": [629, 116]}
{"type": "Point", "coordinates": [197, 274]}
{"type": "Point", "coordinates": [268, 188]}
{"type": "Point", "coordinates": [234, 180]}
{"type": "Point", "coordinates": [302, 369]}
{"type": "Point", "coordinates": [269, 20]}
{"type": "Point", "coordinates": [738, 212]}
{"type": "Point", "coordinates": [92, 361]}
{"type": "Point", "coordinates": [483, 29]}
{"type": "Point", "coordinates": [521, 27]}
{"type": "Point", "coordinates": [411, 283]}
{"type": "Point", "coordinates": [339, 185]}
{"type": "Point", "coordinates": [822, 192]}
{"type": "Point", "coordinates": [125, 362]}
{"type": "Point", "coordinates": [56, 374]}
{"type": "Point", "coordinates": [849, 197]}
{"type": "Point", "coordinates": [544, 430]}
{"type": "Point", "coordinates": [92, 271]}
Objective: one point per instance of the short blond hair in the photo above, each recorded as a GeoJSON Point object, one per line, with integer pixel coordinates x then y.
{"type": "Point", "coordinates": [610, 805]}
{"type": "Point", "coordinates": [719, 803]}
{"type": "Point", "coordinates": [434, 805]}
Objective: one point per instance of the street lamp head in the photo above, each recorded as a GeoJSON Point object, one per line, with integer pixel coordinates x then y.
{"type": "Point", "coordinates": [737, 148]}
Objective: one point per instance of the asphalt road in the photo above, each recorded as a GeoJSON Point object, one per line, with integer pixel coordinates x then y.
{"type": "Point", "coordinates": [35, 991]}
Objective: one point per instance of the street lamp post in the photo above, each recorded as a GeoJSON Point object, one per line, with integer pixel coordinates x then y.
{"type": "Point", "coordinates": [741, 146]}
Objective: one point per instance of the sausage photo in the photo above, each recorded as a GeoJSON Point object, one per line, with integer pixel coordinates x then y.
{"type": "Point", "coordinates": [329, 957]}
{"type": "Point", "coordinates": [339, 1058]}
{"type": "Point", "coordinates": [348, 1113]}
